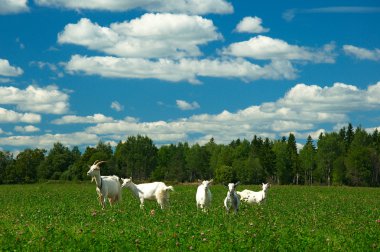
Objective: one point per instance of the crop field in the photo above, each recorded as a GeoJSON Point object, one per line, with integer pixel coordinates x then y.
{"type": "Point", "coordinates": [293, 218]}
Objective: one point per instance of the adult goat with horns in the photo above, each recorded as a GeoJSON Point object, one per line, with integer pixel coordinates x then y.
{"type": "Point", "coordinates": [106, 186]}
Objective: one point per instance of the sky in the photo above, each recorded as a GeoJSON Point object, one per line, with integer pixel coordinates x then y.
{"type": "Point", "coordinates": [80, 72]}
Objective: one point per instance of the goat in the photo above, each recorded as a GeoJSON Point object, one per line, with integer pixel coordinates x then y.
{"type": "Point", "coordinates": [232, 199]}
{"type": "Point", "coordinates": [106, 186]}
{"type": "Point", "coordinates": [203, 196]}
{"type": "Point", "coordinates": [149, 191]}
{"type": "Point", "coordinates": [252, 197]}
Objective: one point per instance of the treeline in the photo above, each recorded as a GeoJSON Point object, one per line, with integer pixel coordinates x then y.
{"type": "Point", "coordinates": [348, 157]}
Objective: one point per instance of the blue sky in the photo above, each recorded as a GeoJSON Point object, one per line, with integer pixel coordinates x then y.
{"type": "Point", "coordinates": [79, 72]}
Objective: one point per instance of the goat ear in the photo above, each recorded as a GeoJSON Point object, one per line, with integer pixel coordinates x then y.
{"type": "Point", "coordinates": [237, 183]}
{"type": "Point", "coordinates": [211, 181]}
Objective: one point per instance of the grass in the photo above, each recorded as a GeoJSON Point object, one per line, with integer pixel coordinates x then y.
{"type": "Point", "coordinates": [294, 218]}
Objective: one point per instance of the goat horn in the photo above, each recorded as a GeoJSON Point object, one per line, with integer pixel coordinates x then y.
{"type": "Point", "coordinates": [100, 162]}
{"type": "Point", "coordinates": [95, 163]}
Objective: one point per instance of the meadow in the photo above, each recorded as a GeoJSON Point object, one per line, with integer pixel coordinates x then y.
{"type": "Point", "coordinates": [68, 217]}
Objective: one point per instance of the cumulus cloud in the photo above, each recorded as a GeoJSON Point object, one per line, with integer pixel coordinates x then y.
{"type": "Point", "coordinates": [10, 116]}
{"type": "Point", "coordinates": [115, 105]}
{"type": "Point", "coordinates": [251, 25]}
{"type": "Point", "coordinates": [173, 6]}
{"type": "Point", "coordinates": [73, 119]}
{"type": "Point", "coordinates": [13, 6]}
{"type": "Point", "coordinates": [178, 70]}
{"type": "Point", "coordinates": [267, 48]}
{"type": "Point", "coordinates": [340, 98]}
{"type": "Point", "coordinates": [301, 114]}
{"type": "Point", "coordinates": [49, 100]}
{"type": "Point", "coordinates": [302, 110]}
{"type": "Point", "coordinates": [150, 36]}
{"type": "Point", "coordinates": [26, 129]}
{"type": "Point", "coordinates": [184, 105]}
{"type": "Point", "coordinates": [7, 70]}
{"type": "Point", "coordinates": [362, 53]}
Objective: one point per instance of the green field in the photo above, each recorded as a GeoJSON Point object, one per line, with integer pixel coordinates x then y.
{"type": "Point", "coordinates": [294, 218]}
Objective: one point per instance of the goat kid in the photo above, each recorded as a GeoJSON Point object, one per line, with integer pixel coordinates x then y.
{"type": "Point", "coordinates": [203, 196]}
{"type": "Point", "coordinates": [232, 199]}
{"type": "Point", "coordinates": [149, 191]}
{"type": "Point", "coordinates": [252, 197]}
{"type": "Point", "coordinates": [106, 186]}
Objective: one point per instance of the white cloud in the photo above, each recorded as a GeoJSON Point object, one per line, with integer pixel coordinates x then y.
{"type": "Point", "coordinates": [7, 70]}
{"type": "Point", "coordinates": [371, 130]}
{"type": "Point", "coordinates": [173, 6]}
{"type": "Point", "coordinates": [289, 14]}
{"type": "Point", "coordinates": [150, 36]}
{"type": "Point", "coordinates": [50, 66]}
{"type": "Point", "coordinates": [115, 105]}
{"type": "Point", "coordinates": [73, 119]}
{"type": "Point", "coordinates": [292, 113]}
{"type": "Point", "coordinates": [266, 48]}
{"type": "Point", "coordinates": [299, 111]}
{"type": "Point", "coordinates": [340, 98]}
{"type": "Point", "coordinates": [251, 25]}
{"type": "Point", "coordinates": [13, 6]}
{"type": "Point", "coordinates": [314, 134]}
{"type": "Point", "coordinates": [10, 116]}
{"type": "Point", "coordinates": [5, 80]}
{"type": "Point", "coordinates": [184, 105]}
{"type": "Point", "coordinates": [47, 141]}
{"type": "Point", "coordinates": [178, 70]}
{"type": "Point", "coordinates": [362, 53]}
{"type": "Point", "coordinates": [26, 129]}
{"type": "Point", "coordinates": [20, 44]}
{"type": "Point", "coordinates": [49, 100]}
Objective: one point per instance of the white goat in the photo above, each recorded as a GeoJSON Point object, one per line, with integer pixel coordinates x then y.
{"type": "Point", "coordinates": [203, 196]}
{"type": "Point", "coordinates": [106, 186]}
{"type": "Point", "coordinates": [252, 197]}
{"type": "Point", "coordinates": [232, 199]}
{"type": "Point", "coordinates": [150, 191]}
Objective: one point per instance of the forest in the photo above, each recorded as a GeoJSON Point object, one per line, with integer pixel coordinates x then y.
{"type": "Point", "coordinates": [347, 157]}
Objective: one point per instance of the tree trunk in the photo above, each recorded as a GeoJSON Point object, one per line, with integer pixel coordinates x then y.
{"type": "Point", "coordinates": [305, 183]}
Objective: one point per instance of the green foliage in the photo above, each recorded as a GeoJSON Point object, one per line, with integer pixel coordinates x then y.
{"type": "Point", "coordinates": [224, 174]}
{"type": "Point", "coordinates": [348, 157]}
{"type": "Point", "coordinates": [283, 170]}
{"type": "Point", "coordinates": [58, 160]}
{"type": "Point", "coordinates": [307, 157]}
{"type": "Point", "coordinates": [293, 218]}
{"type": "Point", "coordinates": [24, 169]}
{"type": "Point", "coordinates": [358, 160]}
{"type": "Point", "coordinates": [330, 147]}
{"type": "Point", "coordinates": [6, 161]}
{"type": "Point", "coordinates": [197, 163]}
{"type": "Point", "coordinates": [139, 157]}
